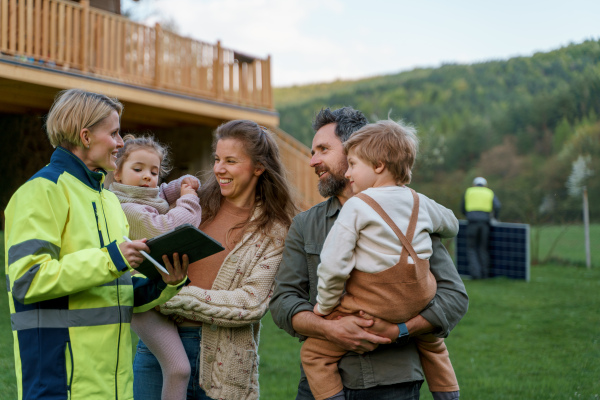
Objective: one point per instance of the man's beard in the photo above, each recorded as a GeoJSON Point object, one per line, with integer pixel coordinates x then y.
{"type": "Point", "coordinates": [334, 183]}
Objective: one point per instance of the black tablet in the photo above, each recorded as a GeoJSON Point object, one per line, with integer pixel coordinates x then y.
{"type": "Point", "coordinates": [185, 239]}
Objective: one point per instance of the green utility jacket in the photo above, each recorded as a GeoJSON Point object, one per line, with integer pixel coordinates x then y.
{"type": "Point", "coordinates": [70, 292]}
{"type": "Point", "coordinates": [296, 291]}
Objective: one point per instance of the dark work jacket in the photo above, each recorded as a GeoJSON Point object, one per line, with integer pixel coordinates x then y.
{"type": "Point", "coordinates": [296, 290]}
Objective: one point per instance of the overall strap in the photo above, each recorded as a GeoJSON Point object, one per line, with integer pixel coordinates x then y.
{"type": "Point", "coordinates": [406, 245]}
{"type": "Point", "coordinates": [410, 232]}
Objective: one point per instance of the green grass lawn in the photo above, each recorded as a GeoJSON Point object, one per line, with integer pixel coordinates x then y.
{"type": "Point", "coordinates": [519, 341]}
{"type": "Point", "coordinates": [570, 247]}
{"type": "Point", "coordinates": [530, 341]}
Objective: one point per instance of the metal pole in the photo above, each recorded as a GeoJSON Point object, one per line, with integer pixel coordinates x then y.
{"type": "Point", "coordinates": [586, 227]}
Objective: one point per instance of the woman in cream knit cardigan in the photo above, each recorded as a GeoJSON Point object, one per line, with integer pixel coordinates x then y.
{"type": "Point", "coordinates": [247, 206]}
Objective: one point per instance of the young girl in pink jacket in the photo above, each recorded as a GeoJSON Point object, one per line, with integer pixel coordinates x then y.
{"type": "Point", "coordinates": [152, 210]}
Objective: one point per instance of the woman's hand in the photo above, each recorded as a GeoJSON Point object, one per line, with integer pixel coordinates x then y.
{"type": "Point", "coordinates": [177, 272]}
{"type": "Point", "coordinates": [131, 251]}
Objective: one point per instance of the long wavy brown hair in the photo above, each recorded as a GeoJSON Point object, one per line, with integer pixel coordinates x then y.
{"type": "Point", "coordinates": [273, 194]}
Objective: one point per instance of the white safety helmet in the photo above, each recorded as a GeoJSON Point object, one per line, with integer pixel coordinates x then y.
{"type": "Point", "coordinates": [479, 181]}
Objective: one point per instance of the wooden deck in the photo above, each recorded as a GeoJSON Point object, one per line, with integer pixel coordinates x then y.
{"type": "Point", "coordinates": [166, 81]}
{"type": "Point", "coordinates": [71, 36]}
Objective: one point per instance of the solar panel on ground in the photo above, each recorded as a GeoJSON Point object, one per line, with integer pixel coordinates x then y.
{"type": "Point", "coordinates": [509, 250]}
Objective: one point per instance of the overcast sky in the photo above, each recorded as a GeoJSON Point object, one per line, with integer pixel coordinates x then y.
{"type": "Point", "coordinates": [323, 40]}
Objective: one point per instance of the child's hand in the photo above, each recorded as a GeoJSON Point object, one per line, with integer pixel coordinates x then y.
{"type": "Point", "coordinates": [316, 311]}
{"type": "Point", "coordinates": [187, 189]}
{"type": "Point", "coordinates": [380, 326]}
{"type": "Point", "coordinates": [191, 182]}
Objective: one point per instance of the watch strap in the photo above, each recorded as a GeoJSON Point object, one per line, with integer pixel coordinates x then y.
{"type": "Point", "coordinates": [403, 334]}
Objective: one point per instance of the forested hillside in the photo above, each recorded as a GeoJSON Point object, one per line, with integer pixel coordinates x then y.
{"type": "Point", "coordinates": [529, 125]}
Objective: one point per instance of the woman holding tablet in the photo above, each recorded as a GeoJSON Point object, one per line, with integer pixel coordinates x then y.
{"type": "Point", "coordinates": [247, 206]}
{"type": "Point", "coordinates": [70, 292]}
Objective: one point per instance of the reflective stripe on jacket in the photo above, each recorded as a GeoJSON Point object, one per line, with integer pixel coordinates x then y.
{"type": "Point", "coordinates": [70, 293]}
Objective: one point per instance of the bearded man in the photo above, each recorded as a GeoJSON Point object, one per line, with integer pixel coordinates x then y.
{"type": "Point", "coordinates": [375, 367]}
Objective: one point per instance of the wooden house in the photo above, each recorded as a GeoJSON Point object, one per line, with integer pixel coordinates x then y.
{"type": "Point", "coordinates": [177, 88]}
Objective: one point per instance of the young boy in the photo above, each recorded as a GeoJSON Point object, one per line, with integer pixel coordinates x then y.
{"type": "Point", "coordinates": [382, 271]}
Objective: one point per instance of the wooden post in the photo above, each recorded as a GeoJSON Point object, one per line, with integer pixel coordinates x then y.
{"type": "Point", "coordinates": [252, 83]}
{"type": "Point", "coordinates": [218, 72]}
{"type": "Point", "coordinates": [104, 38]}
{"type": "Point", "coordinates": [169, 68]}
{"type": "Point", "coordinates": [21, 28]}
{"type": "Point", "coordinates": [266, 83]}
{"type": "Point", "coordinates": [114, 48]}
{"type": "Point", "coordinates": [4, 25]}
{"type": "Point", "coordinates": [186, 65]}
{"type": "Point", "coordinates": [241, 82]}
{"type": "Point", "coordinates": [204, 66]}
{"type": "Point", "coordinates": [69, 43]}
{"type": "Point", "coordinates": [85, 28]}
{"type": "Point", "coordinates": [37, 34]}
{"type": "Point", "coordinates": [586, 228]}
{"type": "Point", "coordinates": [139, 58]}
{"type": "Point", "coordinates": [76, 32]}
{"type": "Point", "coordinates": [129, 32]}
{"type": "Point", "coordinates": [29, 47]}
{"type": "Point", "coordinates": [236, 74]}
{"type": "Point", "coordinates": [230, 67]}
{"type": "Point", "coordinates": [52, 50]}
{"type": "Point", "coordinates": [95, 42]}
{"type": "Point", "coordinates": [45, 30]}
{"type": "Point", "coordinates": [158, 55]}
{"type": "Point", "coordinates": [60, 51]}
{"type": "Point", "coordinates": [12, 26]}
{"type": "Point", "coordinates": [120, 46]}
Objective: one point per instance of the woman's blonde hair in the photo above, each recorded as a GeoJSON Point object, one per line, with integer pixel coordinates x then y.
{"type": "Point", "coordinates": [74, 110]}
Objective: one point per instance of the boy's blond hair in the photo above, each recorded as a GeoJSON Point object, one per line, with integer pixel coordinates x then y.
{"type": "Point", "coordinates": [74, 110]}
{"type": "Point", "coordinates": [394, 144]}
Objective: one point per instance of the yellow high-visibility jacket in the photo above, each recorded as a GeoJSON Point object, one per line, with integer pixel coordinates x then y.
{"type": "Point", "coordinates": [479, 204]}
{"type": "Point", "coordinates": [479, 198]}
{"type": "Point", "coordinates": [70, 292]}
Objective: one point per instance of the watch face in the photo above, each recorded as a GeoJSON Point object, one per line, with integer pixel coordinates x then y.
{"type": "Point", "coordinates": [403, 340]}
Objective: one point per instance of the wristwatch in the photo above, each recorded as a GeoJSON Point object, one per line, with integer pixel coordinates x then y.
{"type": "Point", "coordinates": [403, 335]}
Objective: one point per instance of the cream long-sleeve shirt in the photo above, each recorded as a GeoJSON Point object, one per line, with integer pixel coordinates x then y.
{"type": "Point", "coordinates": [361, 239]}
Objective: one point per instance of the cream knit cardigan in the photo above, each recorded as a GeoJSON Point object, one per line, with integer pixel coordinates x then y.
{"type": "Point", "coordinates": [231, 313]}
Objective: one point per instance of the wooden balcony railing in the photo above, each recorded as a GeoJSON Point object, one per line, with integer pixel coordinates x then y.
{"type": "Point", "coordinates": [75, 36]}
{"type": "Point", "coordinates": [60, 34]}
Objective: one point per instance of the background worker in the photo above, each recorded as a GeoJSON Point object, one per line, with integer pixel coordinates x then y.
{"type": "Point", "coordinates": [479, 202]}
